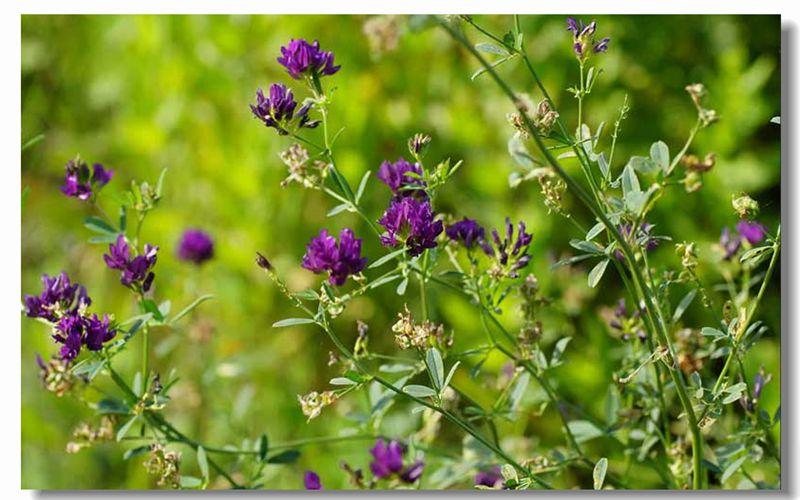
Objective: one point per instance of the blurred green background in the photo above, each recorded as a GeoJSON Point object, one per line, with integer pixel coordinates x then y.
{"type": "Point", "coordinates": [141, 93]}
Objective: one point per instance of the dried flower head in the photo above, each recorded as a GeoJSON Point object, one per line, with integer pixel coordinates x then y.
{"type": "Point", "coordinates": [165, 465]}
{"type": "Point", "coordinates": [312, 403]}
{"type": "Point", "coordinates": [745, 206]}
{"type": "Point", "coordinates": [55, 375]}
{"type": "Point", "coordinates": [410, 334]}
{"type": "Point", "coordinates": [383, 34]}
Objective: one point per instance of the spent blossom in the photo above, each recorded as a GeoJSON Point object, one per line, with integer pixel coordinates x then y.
{"type": "Point", "coordinates": [410, 222]}
{"type": "Point", "coordinates": [303, 59]}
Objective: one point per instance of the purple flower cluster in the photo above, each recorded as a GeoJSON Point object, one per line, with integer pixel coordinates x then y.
{"type": "Point", "coordinates": [491, 478]}
{"type": "Point", "coordinates": [277, 110]}
{"type": "Point", "coordinates": [340, 261]}
{"type": "Point", "coordinates": [396, 176]}
{"type": "Point", "coordinates": [196, 246]}
{"type": "Point", "coordinates": [65, 304]}
{"type": "Point", "coordinates": [80, 182]}
{"type": "Point", "coordinates": [626, 323]}
{"type": "Point", "coordinates": [137, 271]}
{"type": "Point", "coordinates": [301, 58]}
{"type": "Point", "coordinates": [311, 481]}
{"type": "Point", "coordinates": [466, 231]}
{"type": "Point", "coordinates": [643, 237]}
{"type": "Point", "coordinates": [59, 297]}
{"type": "Point", "coordinates": [388, 462]}
{"type": "Point", "coordinates": [411, 222]}
{"type": "Point", "coordinates": [583, 38]}
{"type": "Point", "coordinates": [750, 231]}
{"type": "Point", "coordinates": [509, 252]}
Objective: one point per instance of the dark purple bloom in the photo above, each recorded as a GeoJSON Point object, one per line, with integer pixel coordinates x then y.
{"type": "Point", "coordinates": [79, 181]}
{"type": "Point", "coordinates": [277, 110]}
{"type": "Point", "coordinates": [396, 176]}
{"type": "Point", "coordinates": [510, 252]}
{"type": "Point", "coordinates": [388, 462]}
{"type": "Point", "coordinates": [136, 272]}
{"type": "Point", "coordinates": [98, 332]}
{"type": "Point", "coordinates": [643, 238]}
{"type": "Point", "coordinates": [751, 231]}
{"type": "Point", "coordinates": [196, 246]}
{"type": "Point", "coordinates": [340, 261]}
{"type": "Point", "coordinates": [489, 478]}
{"type": "Point", "coordinates": [466, 231]}
{"type": "Point", "coordinates": [388, 458]}
{"type": "Point", "coordinates": [75, 330]}
{"type": "Point", "coordinates": [59, 296]}
{"type": "Point", "coordinates": [410, 221]}
{"type": "Point", "coordinates": [758, 384]}
{"type": "Point", "coordinates": [627, 323]}
{"type": "Point", "coordinates": [301, 58]}
{"type": "Point", "coordinates": [730, 243]}
{"type": "Point", "coordinates": [601, 46]}
{"type": "Point", "coordinates": [311, 481]}
{"type": "Point", "coordinates": [574, 26]}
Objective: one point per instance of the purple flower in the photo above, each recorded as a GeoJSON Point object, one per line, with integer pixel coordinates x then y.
{"type": "Point", "coordinates": [643, 238]}
{"type": "Point", "coordinates": [510, 252]}
{"type": "Point", "coordinates": [388, 462]}
{"type": "Point", "coordinates": [583, 38]}
{"type": "Point", "coordinates": [388, 458]}
{"type": "Point", "coordinates": [751, 231]}
{"type": "Point", "coordinates": [98, 332]}
{"type": "Point", "coordinates": [466, 231]}
{"type": "Point", "coordinates": [311, 481]}
{"type": "Point", "coordinates": [196, 246]}
{"type": "Point", "coordinates": [626, 323]}
{"type": "Point", "coordinates": [75, 330]}
{"type": "Point", "coordinates": [301, 58]}
{"type": "Point", "coordinates": [395, 175]}
{"type": "Point", "coordinates": [340, 261]}
{"type": "Point", "coordinates": [277, 110]}
{"type": "Point", "coordinates": [136, 272]}
{"type": "Point", "coordinates": [411, 222]}
{"type": "Point", "coordinates": [79, 181]}
{"type": "Point", "coordinates": [730, 243]}
{"type": "Point", "coordinates": [489, 478]}
{"type": "Point", "coordinates": [58, 297]}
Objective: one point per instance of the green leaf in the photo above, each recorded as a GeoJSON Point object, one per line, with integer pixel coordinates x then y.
{"type": "Point", "coordinates": [191, 482]}
{"type": "Point", "coordinates": [135, 452]}
{"type": "Point", "coordinates": [362, 185]}
{"type": "Point", "coordinates": [401, 288]}
{"type": "Point", "coordinates": [515, 398]}
{"type": "Point", "coordinates": [419, 391]}
{"type": "Point", "coordinates": [286, 457]}
{"type": "Point", "coordinates": [126, 427]}
{"type": "Point", "coordinates": [712, 332]}
{"type": "Point", "coordinates": [630, 183]}
{"type": "Point", "coordinates": [685, 302]}
{"type": "Point", "coordinates": [586, 246]}
{"type": "Point", "coordinates": [518, 151]}
{"type": "Point", "coordinates": [292, 321]}
{"type": "Point", "coordinates": [383, 280]}
{"type": "Point", "coordinates": [594, 231]}
{"type": "Point", "coordinates": [599, 473]}
{"type": "Point", "coordinates": [191, 307]}
{"type": "Point", "coordinates": [642, 164]}
{"type": "Point", "coordinates": [732, 468]}
{"type": "Point", "coordinates": [635, 201]}
{"type": "Point", "coordinates": [340, 181]}
{"type": "Point", "coordinates": [99, 225]}
{"type": "Point", "coordinates": [338, 209]}
{"type": "Point", "coordinates": [306, 295]}
{"type": "Point", "coordinates": [263, 447]}
{"type": "Point", "coordinates": [111, 406]}
{"type": "Point", "coordinates": [775, 119]}
{"type": "Point", "coordinates": [583, 430]}
{"type": "Point", "coordinates": [659, 153]}
{"type": "Point", "coordinates": [202, 461]}
{"type": "Point", "coordinates": [558, 351]}
{"type": "Point", "coordinates": [386, 258]}
{"type": "Point", "coordinates": [160, 183]}
{"type": "Point", "coordinates": [495, 64]}
{"type": "Point", "coordinates": [570, 261]}
{"type": "Point", "coordinates": [38, 138]}
{"type": "Point", "coordinates": [102, 240]}
{"type": "Point", "coordinates": [597, 272]}
{"type": "Point", "coordinates": [435, 367]}
{"type": "Point", "coordinates": [342, 381]}
{"type": "Point", "coordinates": [491, 48]}
{"type": "Point", "coordinates": [450, 375]}
{"type": "Point", "coordinates": [150, 306]}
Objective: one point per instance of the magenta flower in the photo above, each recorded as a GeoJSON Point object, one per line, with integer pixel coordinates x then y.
{"type": "Point", "coordinates": [730, 243]}
{"type": "Point", "coordinates": [396, 176]}
{"type": "Point", "coordinates": [301, 58]}
{"type": "Point", "coordinates": [79, 182]}
{"type": "Point", "coordinates": [751, 231]}
{"type": "Point", "coordinates": [311, 481]}
{"type": "Point", "coordinates": [411, 222]}
{"type": "Point", "coordinates": [136, 273]}
{"type": "Point", "coordinates": [196, 246]}
{"type": "Point", "coordinates": [277, 110]}
{"type": "Point", "coordinates": [466, 231]}
{"type": "Point", "coordinates": [490, 478]}
{"type": "Point", "coordinates": [339, 261]}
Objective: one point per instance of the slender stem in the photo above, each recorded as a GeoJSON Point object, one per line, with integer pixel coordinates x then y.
{"type": "Point", "coordinates": [651, 304]}
{"type": "Point", "coordinates": [422, 286]}
{"type": "Point", "coordinates": [580, 100]}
